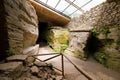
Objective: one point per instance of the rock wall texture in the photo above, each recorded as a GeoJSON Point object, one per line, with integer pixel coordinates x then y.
{"type": "Point", "coordinates": [57, 38]}
{"type": "Point", "coordinates": [105, 14]}
{"type": "Point", "coordinates": [78, 38]}
{"type": "Point", "coordinates": [21, 24]}
{"type": "Point", "coordinates": [105, 18]}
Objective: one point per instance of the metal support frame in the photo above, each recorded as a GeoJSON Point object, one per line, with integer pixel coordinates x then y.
{"type": "Point", "coordinates": [46, 1]}
{"type": "Point", "coordinates": [70, 3]}
{"type": "Point", "coordinates": [57, 4]}
{"type": "Point", "coordinates": [77, 7]}
{"type": "Point", "coordinates": [68, 6]}
{"type": "Point", "coordinates": [62, 63]}
{"type": "Point", "coordinates": [80, 7]}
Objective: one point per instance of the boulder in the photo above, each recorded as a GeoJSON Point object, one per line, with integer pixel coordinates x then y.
{"type": "Point", "coordinates": [40, 64]}
{"type": "Point", "coordinates": [34, 69]}
{"type": "Point", "coordinates": [21, 23]}
{"type": "Point", "coordinates": [30, 60]}
{"type": "Point", "coordinates": [11, 69]}
{"type": "Point", "coordinates": [77, 43]}
{"type": "Point", "coordinates": [58, 38]}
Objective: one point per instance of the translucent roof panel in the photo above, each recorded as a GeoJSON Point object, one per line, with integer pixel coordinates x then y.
{"type": "Point", "coordinates": [69, 10]}
{"type": "Point", "coordinates": [52, 3]}
{"type": "Point", "coordinates": [93, 4]}
{"type": "Point", "coordinates": [75, 14]}
{"type": "Point", "coordinates": [72, 8]}
{"type": "Point", "coordinates": [62, 5]}
{"type": "Point", "coordinates": [80, 2]}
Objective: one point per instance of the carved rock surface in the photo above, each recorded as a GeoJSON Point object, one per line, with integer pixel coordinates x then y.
{"type": "Point", "coordinates": [21, 23]}
{"type": "Point", "coordinates": [10, 69]}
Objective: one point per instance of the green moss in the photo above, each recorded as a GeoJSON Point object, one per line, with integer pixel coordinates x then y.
{"type": "Point", "coordinates": [105, 31]}
{"type": "Point", "coordinates": [113, 63]}
{"type": "Point", "coordinates": [57, 39]}
{"type": "Point", "coordinates": [101, 57]}
{"type": "Point", "coordinates": [10, 52]}
{"type": "Point", "coordinates": [95, 32]}
{"type": "Point", "coordinates": [117, 41]}
{"type": "Point", "coordinates": [77, 53]}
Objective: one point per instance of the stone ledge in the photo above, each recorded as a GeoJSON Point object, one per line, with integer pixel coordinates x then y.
{"type": "Point", "coordinates": [32, 50]}
{"type": "Point", "coordinates": [17, 58]}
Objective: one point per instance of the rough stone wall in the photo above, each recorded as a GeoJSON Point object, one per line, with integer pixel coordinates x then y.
{"type": "Point", "coordinates": [77, 42]}
{"type": "Point", "coordinates": [57, 38]}
{"type": "Point", "coordinates": [21, 23]}
{"type": "Point", "coordinates": [105, 15]}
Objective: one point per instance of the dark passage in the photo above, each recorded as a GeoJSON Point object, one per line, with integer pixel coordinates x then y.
{"type": "Point", "coordinates": [43, 26]}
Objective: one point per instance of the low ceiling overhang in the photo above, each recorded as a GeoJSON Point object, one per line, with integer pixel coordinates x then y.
{"type": "Point", "coordinates": [46, 14]}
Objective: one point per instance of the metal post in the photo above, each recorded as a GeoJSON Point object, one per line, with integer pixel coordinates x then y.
{"type": "Point", "coordinates": [62, 60]}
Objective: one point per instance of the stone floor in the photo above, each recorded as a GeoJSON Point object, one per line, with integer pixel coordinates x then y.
{"type": "Point", "coordinates": [93, 69]}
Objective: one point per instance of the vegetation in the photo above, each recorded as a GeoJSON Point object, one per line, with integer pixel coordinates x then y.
{"type": "Point", "coordinates": [117, 41]}
{"type": "Point", "coordinates": [105, 31]}
{"type": "Point", "coordinates": [117, 26]}
{"type": "Point", "coordinates": [101, 57]}
{"type": "Point", "coordinates": [57, 39]}
{"type": "Point", "coordinates": [95, 32]}
{"type": "Point", "coordinates": [10, 52]}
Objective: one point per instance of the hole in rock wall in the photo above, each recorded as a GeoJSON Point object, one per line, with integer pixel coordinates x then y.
{"type": "Point", "coordinates": [93, 44]}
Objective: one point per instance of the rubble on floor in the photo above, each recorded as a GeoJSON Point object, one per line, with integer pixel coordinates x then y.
{"type": "Point", "coordinates": [24, 67]}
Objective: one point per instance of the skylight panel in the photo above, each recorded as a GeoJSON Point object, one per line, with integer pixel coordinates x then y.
{"type": "Point", "coordinates": [62, 5]}
{"type": "Point", "coordinates": [44, 1]}
{"type": "Point", "coordinates": [93, 4]}
{"type": "Point", "coordinates": [75, 14]}
{"type": "Point", "coordinates": [70, 10]}
{"type": "Point", "coordinates": [52, 3]}
{"type": "Point", "coordinates": [80, 2]}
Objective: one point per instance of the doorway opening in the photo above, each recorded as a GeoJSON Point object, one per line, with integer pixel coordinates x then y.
{"type": "Point", "coordinates": [42, 27]}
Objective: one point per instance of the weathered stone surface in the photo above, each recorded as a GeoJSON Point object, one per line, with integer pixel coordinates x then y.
{"type": "Point", "coordinates": [58, 38]}
{"type": "Point", "coordinates": [30, 60]}
{"type": "Point", "coordinates": [78, 38]}
{"type": "Point", "coordinates": [10, 69]}
{"type": "Point", "coordinates": [32, 50]}
{"type": "Point", "coordinates": [113, 61]}
{"type": "Point", "coordinates": [40, 64]}
{"type": "Point", "coordinates": [17, 58]}
{"type": "Point", "coordinates": [34, 69]}
{"type": "Point", "coordinates": [59, 78]}
{"type": "Point", "coordinates": [77, 43]}
{"type": "Point", "coordinates": [114, 33]}
{"type": "Point", "coordinates": [105, 15]}
{"type": "Point", "coordinates": [21, 24]}
{"type": "Point", "coordinates": [5, 78]}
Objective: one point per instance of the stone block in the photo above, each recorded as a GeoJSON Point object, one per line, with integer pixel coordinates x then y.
{"type": "Point", "coordinates": [39, 64]}
{"type": "Point", "coordinates": [11, 69]}
{"type": "Point", "coordinates": [34, 69]}
{"type": "Point", "coordinates": [17, 58]}
{"type": "Point", "coordinates": [32, 50]}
